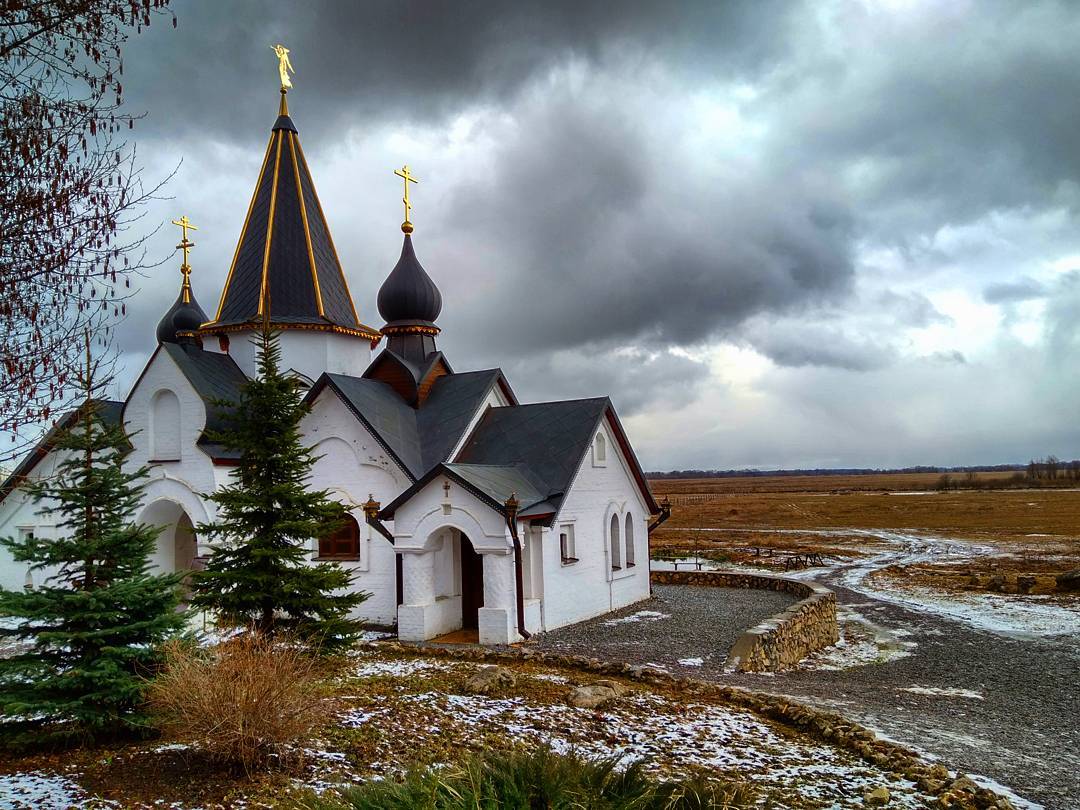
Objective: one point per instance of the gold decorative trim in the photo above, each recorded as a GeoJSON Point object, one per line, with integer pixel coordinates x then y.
{"type": "Point", "coordinates": [243, 230]}
{"type": "Point", "coordinates": [307, 228]}
{"type": "Point", "coordinates": [329, 236]}
{"type": "Point", "coordinates": [212, 328]}
{"type": "Point", "coordinates": [411, 330]}
{"type": "Point", "coordinates": [263, 290]}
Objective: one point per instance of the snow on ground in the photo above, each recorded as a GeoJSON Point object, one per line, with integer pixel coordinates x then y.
{"type": "Point", "coordinates": [861, 642]}
{"type": "Point", "coordinates": [399, 668]}
{"type": "Point", "coordinates": [1008, 615]}
{"type": "Point", "coordinates": [691, 662]}
{"type": "Point", "coordinates": [34, 790]}
{"type": "Point", "coordinates": [668, 736]}
{"type": "Point", "coordinates": [640, 616]}
{"type": "Point", "coordinates": [943, 691]}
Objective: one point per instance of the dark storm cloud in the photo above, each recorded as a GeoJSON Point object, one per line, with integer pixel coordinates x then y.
{"type": "Point", "coordinates": [364, 62]}
{"type": "Point", "coordinates": [595, 208]}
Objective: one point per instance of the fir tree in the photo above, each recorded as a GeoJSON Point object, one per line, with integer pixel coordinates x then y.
{"type": "Point", "coordinates": [258, 574]}
{"type": "Point", "coordinates": [88, 634]}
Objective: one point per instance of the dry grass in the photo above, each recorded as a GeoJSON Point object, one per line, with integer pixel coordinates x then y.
{"type": "Point", "coordinates": [243, 703]}
{"type": "Point", "coordinates": [903, 482]}
{"type": "Point", "coordinates": [1037, 530]}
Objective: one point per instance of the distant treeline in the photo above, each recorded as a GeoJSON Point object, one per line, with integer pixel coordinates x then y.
{"type": "Point", "coordinates": [755, 473]}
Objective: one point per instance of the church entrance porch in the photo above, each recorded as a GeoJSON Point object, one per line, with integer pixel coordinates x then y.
{"type": "Point", "coordinates": [457, 590]}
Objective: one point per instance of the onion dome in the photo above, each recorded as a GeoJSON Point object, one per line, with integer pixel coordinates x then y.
{"type": "Point", "coordinates": [185, 316]}
{"type": "Point", "coordinates": [409, 297]}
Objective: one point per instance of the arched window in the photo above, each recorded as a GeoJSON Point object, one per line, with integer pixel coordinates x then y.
{"type": "Point", "coordinates": [616, 546]}
{"type": "Point", "coordinates": [344, 544]}
{"type": "Point", "coordinates": [600, 450]}
{"type": "Point", "coordinates": [165, 427]}
{"type": "Point", "coordinates": [629, 540]}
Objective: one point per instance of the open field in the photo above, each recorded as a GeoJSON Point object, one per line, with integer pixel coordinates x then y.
{"type": "Point", "coordinates": [1033, 533]}
{"type": "Point", "coordinates": [813, 483]}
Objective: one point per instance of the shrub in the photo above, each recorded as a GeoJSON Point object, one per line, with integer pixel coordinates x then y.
{"type": "Point", "coordinates": [243, 702]}
{"type": "Point", "coordinates": [541, 778]}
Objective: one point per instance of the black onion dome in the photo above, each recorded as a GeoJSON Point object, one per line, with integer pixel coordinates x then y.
{"type": "Point", "coordinates": [408, 294]}
{"type": "Point", "coordinates": [181, 317]}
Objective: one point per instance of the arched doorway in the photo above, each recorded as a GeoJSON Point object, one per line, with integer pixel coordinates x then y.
{"type": "Point", "coordinates": [472, 584]}
{"type": "Point", "coordinates": [177, 544]}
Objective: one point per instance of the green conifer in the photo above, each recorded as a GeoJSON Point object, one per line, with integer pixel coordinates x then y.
{"type": "Point", "coordinates": [259, 574]}
{"type": "Point", "coordinates": [86, 637]}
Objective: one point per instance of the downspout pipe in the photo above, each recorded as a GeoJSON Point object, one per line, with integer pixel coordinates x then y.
{"type": "Point", "coordinates": [512, 506]}
{"type": "Point", "coordinates": [371, 515]}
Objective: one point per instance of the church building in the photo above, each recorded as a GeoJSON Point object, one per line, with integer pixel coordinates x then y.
{"type": "Point", "coordinates": [470, 511]}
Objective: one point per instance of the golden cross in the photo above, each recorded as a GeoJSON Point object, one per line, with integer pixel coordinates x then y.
{"type": "Point", "coordinates": [185, 245]}
{"type": "Point", "coordinates": [404, 174]}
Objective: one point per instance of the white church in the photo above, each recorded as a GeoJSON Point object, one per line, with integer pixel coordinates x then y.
{"type": "Point", "coordinates": [469, 511]}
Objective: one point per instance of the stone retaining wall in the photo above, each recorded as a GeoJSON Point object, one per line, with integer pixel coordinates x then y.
{"type": "Point", "coordinates": [783, 640]}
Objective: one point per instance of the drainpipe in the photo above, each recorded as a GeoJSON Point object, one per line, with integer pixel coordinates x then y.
{"type": "Point", "coordinates": [512, 505]}
{"type": "Point", "coordinates": [371, 515]}
{"type": "Point", "coordinates": [665, 513]}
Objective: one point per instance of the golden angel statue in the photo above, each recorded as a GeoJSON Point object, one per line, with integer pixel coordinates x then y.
{"type": "Point", "coordinates": [284, 65]}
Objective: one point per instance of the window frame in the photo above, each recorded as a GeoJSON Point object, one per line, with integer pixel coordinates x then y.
{"type": "Point", "coordinates": [567, 543]}
{"type": "Point", "coordinates": [614, 538]}
{"type": "Point", "coordinates": [328, 546]}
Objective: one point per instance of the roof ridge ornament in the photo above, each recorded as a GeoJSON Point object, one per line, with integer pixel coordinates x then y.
{"type": "Point", "coordinates": [185, 245]}
{"type": "Point", "coordinates": [284, 69]}
{"type": "Point", "coordinates": [407, 177]}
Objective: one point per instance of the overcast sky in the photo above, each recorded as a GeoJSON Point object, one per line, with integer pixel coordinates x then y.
{"type": "Point", "coordinates": [777, 234]}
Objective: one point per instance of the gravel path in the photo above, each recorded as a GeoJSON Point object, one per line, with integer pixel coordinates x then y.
{"type": "Point", "coordinates": [692, 628]}
{"type": "Point", "coordinates": [1004, 707]}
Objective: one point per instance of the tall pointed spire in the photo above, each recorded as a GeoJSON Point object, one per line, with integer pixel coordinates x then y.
{"type": "Point", "coordinates": [286, 268]}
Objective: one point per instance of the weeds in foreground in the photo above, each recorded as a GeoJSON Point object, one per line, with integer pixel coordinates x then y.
{"type": "Point", "coordinates": [540, 778]}
{"type": "Point", "coordinates": [244, 702]}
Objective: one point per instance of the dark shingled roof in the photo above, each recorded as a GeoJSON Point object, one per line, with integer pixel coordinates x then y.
{"type": "Point", "coordinates": [216, 378]}
{"type": "Point", "coordinates": [534, 451]}
{"type": "Point", "coordinates": [285, 248]}
{"type": "Point", "coordinates": [109, 410]}
{"type": "Point", "coordinates": [416, 438]}
{"type": "Point", "coordinates": [549, 439]}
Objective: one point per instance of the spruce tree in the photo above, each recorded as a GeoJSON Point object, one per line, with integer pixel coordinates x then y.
{"type": "Point", "coordinates": [258, 574]}
{"type": "Point", "coordinates": [87, 635]}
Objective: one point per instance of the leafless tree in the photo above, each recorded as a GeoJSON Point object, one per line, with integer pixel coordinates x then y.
{"type": "Point", "coordinates": [69, 192]}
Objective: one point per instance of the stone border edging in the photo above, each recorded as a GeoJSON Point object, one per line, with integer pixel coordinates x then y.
{"type": "Point", "coordinates": [782, 640]}
{"type": "Point", "coordinates": [958, 793]}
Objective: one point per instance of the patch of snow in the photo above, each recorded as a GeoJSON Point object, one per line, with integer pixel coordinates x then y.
{"type": "Point", "coordinates": [861, 642]}
{"type": "Point", "coordinates": [374, 635]}
{"type": "Point", "coordinates": [691, 662]}
{"type": "Point", "coordinates": [549, 676]}
{"type": "Point", "coordinates": [34, 790]}
{"type": "Point", "coordinates": [1008, 615]}
{"type": "Point", "coordinates": [640, 616]}
{"type": "Point", "coordinates": [943, 691]}
{"type": "Point", "coordinates": [398, 668]}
